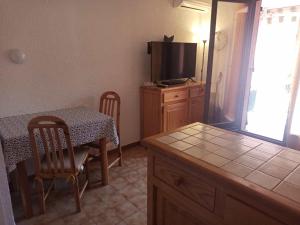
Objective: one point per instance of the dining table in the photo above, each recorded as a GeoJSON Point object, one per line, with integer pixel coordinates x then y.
{"type": "Point", "coordinates": [86, 125]}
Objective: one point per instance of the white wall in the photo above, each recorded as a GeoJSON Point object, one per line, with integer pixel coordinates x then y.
{"type": "Point", "coordinates": [77, 49]}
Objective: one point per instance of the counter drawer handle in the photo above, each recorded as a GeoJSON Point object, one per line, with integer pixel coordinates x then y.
{"type": "Point", "coordinates": [176, 96]}
{"type": "Point", "coordinates": [178, 181]}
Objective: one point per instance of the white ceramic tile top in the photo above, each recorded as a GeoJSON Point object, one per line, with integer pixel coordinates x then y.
{"type": "Point", "coordinates": [270, 166]}
{"type": "Point", "coordinates": [197, 152]}
{"type": "Point", "coordinates": [167, 139]}
{"type": "Point", "coordinates": [237, 169]}
{"type": "Point", "coordinates": [263, 180]}
{"type": "Point", "coordinates": [215, 159]}
{"type": "Point", "coordinates": [179, 135]}
{"type": "Point", "coordinates": [204, 136]}
{"type": "Point", "coordinates": [192, 140]}
{"type": "Point", "coordinates": [249, 161]}
{"type": "Point", "coordinates": [190, 131]}
{"type": "Point", "coordinates": [180, 145]}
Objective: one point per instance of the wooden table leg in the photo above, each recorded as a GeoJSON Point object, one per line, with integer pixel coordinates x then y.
{"type": "Point", "coordinates": [104, 161]}
{"type": "Point", "coordinates": [24, 189]}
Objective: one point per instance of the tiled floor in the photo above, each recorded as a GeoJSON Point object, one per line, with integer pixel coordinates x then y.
{"type": "Point", "coordinates": [122, 202]}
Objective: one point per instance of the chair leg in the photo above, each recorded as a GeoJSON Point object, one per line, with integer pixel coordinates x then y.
{"type": "Point", "coordinates": [76, 192]}
{"type": "Point", "coordinates": [120, 155]}
{"type": "Point", "coordinates": [87, 173]}
{"type": "Point", "coordinates": [41, 191]}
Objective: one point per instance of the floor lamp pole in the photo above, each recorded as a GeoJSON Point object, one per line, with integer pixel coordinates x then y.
{"type": "Point", "coordinates": [204, 43]}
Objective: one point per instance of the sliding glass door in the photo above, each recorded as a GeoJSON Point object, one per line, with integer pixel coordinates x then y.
{"type": "Point", "coordinates": [228, 61]}
{"type": "Point", "coordinates": [273, 79]}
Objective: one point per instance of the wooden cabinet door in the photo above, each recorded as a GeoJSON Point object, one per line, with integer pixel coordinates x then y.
{"type": "Point", "coordinates": [196, 109]}
{"type": "Point", "coordinates": [176, 115]}
{"type": "Point", "coordinates": [169, 213]}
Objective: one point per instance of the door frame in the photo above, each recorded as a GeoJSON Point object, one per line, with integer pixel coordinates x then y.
{"type": "Point", "coordinates": [244, 65]}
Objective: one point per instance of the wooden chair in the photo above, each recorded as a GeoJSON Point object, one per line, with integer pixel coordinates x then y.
{"type": "Point", "coordinates": [51, 135]}
{"type": "Point", "coordinates": [110, 103]}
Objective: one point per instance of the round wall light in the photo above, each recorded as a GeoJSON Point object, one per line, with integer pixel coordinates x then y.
{"type": "Point", "coordinates": [17, 56]}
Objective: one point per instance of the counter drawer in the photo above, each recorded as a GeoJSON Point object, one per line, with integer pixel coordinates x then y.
{"type": "Point", "coordinates": [175, 95]}
{"type": "Point", "coordinates": [189, 185]}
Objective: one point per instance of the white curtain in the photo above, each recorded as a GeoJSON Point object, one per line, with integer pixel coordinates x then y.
{"type": "Point", "coordinates": [6, 213]}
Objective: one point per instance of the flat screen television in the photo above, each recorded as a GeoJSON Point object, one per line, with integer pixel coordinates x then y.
{"type": "Point", "coordinates": [172, 60]}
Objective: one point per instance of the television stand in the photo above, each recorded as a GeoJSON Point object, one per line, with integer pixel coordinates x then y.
{"type": "Point", "coordinates": [172, 82]}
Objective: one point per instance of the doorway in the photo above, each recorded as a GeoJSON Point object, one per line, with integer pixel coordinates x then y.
{"type": "Point", "coordinates": [274, 61]}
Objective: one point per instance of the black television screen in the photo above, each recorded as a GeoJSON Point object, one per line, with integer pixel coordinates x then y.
{"type": "Point", "coordinates": [172, 60]}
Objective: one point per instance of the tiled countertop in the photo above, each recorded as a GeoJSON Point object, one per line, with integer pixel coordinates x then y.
{"type": "Point", "coordinates": [270, 166]}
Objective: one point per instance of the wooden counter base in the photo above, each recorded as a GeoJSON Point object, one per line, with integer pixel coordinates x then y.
{"type": "Point", "coordinates": [184, 191]}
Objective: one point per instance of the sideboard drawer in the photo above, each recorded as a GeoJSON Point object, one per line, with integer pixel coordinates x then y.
{"type": "Point", "coordinates": [196, 92]}
{"type": "Point", "coordinates": [189, 185]}
{"type": "Point", "coordinates": [175, 95]}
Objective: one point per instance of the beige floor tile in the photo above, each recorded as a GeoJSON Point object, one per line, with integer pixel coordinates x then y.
{"type": "Point", "coordinates": [204, 136]}
{"type": "Point", "coordinates": [139, 200]}
{"type": "Point", "coordinates": [109, 217]}
{"type": "Point", "coordinates": [166, 139]}
{"type": "Point", "coordinates": [139, 218]}
{"type": "Point", "coordinates": [237, 169]}
{"type": "Point", "coordinates": [130, 191]}
{"type": "Point", "coordinates": [275, 171]}
{"type": "Point", "coordinates": [293, 178]}
{"type": "Point", "coordinates": [289, 190]}
{"type": "Point", "coordinates": [125, 209]}
{"type": "Point", "coordinates": [197, 152]}
{"type": "Point", "coordinates": [249, 161]}
{"type": "Point", "coordinates": [179, 135]}
{"type": "Point", "coordinates": [284, 163]}
{"type": "Point", "coordinates": [263, 180]}
{"type": "Point", "coordinates": [190, 131]}
{"type": "Point", "coordinates": [215, 160]}
{"type": "Point", "coordinates": [180, 145]}
{"type": "Point", "coordinates": [192, 140]}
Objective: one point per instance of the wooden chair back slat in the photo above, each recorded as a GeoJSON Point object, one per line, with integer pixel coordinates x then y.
{"type": "Point", "coordinates": [60, 150]}
{"type": "Point", "coordinates": [45, 145]}
{"type": "Point", "coordinates": [110, 104]}
{"type": "Point", "coordinates": [52, 148]}
{"type": "Point", "coordinates": [52, 131]}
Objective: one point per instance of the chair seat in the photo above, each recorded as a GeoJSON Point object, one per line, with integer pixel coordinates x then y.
{"type": "Point", "coordinates": [94, 151]}
{"type": "Point", "coordinates": [80, 156]}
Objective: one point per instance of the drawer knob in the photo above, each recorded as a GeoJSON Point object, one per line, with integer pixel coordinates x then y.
{"type": "Point", "coordinates": [176, 96]}
{"type": "Point", "coordinates": [179, 181]}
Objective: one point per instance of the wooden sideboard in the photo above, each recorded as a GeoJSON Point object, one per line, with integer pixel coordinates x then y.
{"type": "Point", "coordinates": [202, 175]}
{"type": "Point", "coordinates": [164, 109]}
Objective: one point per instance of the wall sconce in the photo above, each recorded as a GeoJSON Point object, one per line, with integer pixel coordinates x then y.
{"type": "Point", "coordinates": [17, 56]}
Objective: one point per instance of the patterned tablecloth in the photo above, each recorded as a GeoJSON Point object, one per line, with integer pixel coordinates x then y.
{"type": "Point", "coordinates": [6, 212]}
{"type": "Point", "coordinates": [85, 126]}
